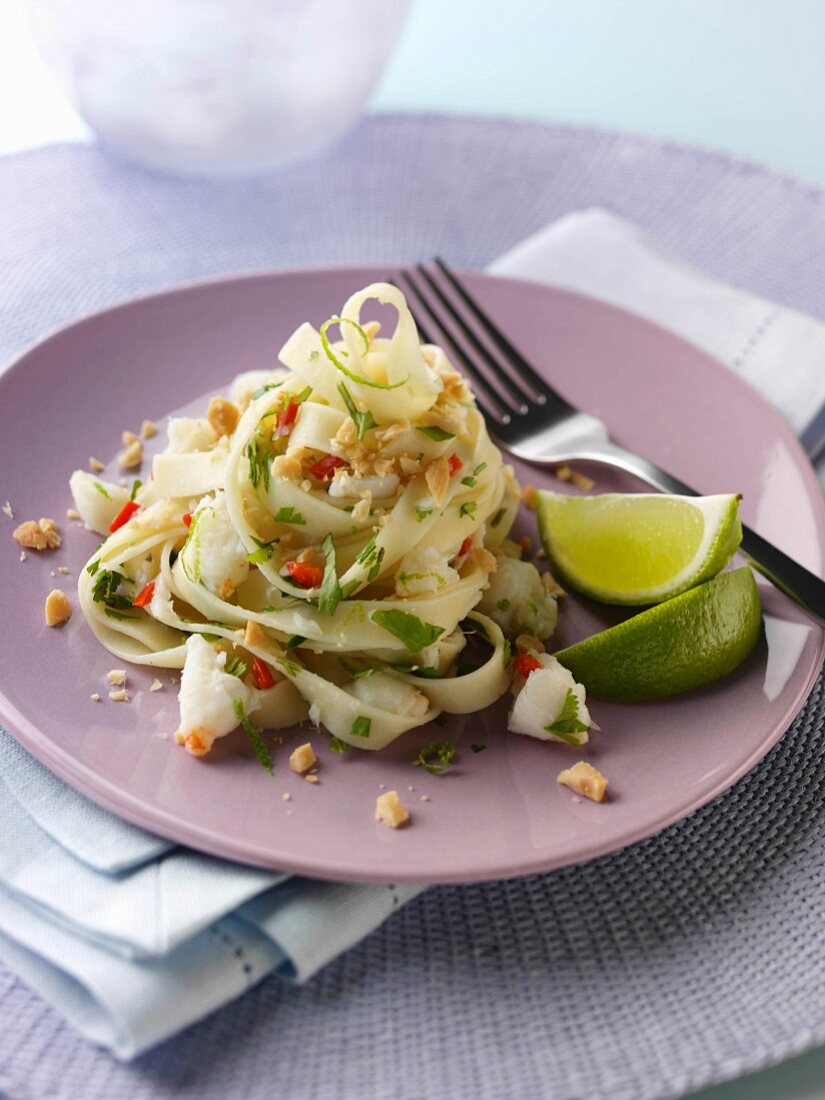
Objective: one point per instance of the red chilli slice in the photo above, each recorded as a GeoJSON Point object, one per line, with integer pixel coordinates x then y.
{"type": "Point", "coordinates": [325, 467]}
{"type": "Point", "coordinates": [124, 515]}
{"type": "Point", "coordinates": [286, 418]}
{"type": "Point", "coordinates": [454, 463]}
{"type": "Point", "coordinates": [187, 519]}
{"type": "Point", "coordinates": [526, 663]}
{"type": "Point", "coordinates": [304, 573]}
{"type": "Point", "coordinates": [144, 597]}
{"type": "Point", "coordinates": [261, 674]}
{"type": "Point", "coordinates": [466, 546]}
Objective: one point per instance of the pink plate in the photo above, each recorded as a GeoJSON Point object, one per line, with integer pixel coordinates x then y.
{"type": "Point", "coordinates": [498, 812]}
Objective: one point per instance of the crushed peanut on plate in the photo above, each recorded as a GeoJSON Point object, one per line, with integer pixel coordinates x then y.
{"type": "Point", "coordinates": [41, 534]}
{"type": "Point", "coordinates": [584, 779]}
{"type": "Point", "coordinates": [132, 456]}
{"type": "Point", "coordinates": [119, 696]}
{"type": "Point", "coordinates": [302, 758]}
{"type": "Point", "coordinates": [148, 429]}
{"type": "Point", "coordinates": [96, 466]}
{"type": "Point", "coordinates": [157, 685]}
{"type": "Point", "coordinates": [390, 810]}
{"type": "Point", "coordinates": [58, 608]}
{"type": "Point", "coordinates": [72, 513]}
{"type": "Point", "coordinates": [116, 676]}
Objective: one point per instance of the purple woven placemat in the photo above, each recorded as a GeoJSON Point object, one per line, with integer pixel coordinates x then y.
{"type": "Point", "coordinates": [690, 958]}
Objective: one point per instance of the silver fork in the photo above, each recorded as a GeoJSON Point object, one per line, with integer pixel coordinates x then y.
{"type": "Point", "coordinates": [529, 419]}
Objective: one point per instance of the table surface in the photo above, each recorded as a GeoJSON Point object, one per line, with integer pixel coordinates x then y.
{"type": "Point", "coordinates": [574, 58]}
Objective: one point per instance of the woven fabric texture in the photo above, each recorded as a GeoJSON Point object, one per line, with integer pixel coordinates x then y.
{"type": "Point", "coordinates": [690, 958]}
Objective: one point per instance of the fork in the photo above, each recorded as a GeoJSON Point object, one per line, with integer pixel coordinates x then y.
{"type": "Point", "coordinates": [528, 418]}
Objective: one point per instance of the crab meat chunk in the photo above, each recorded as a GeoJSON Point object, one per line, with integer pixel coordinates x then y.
{"type": "Point", "coordinates": [550, 695]}
{"type": "Point", "coordinates": [518, 600]}
{"type": "Point", "coordinates": [384, 692]}
{"type": "Point", "coordinates": [423, 571]}
{"type": "Point", "coordinates": [209, 697]}
{"type": "Point", "coordinates": [214, 555]}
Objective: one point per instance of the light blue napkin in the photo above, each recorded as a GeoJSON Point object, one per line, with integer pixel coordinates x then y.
{"type": "Point", "coordinates": [132, 938]}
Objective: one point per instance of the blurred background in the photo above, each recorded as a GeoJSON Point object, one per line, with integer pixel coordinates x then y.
{"type": "Point", "coordinates": [745, 76]}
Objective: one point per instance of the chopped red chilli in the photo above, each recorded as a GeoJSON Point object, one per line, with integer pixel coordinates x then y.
{"type": "Point", "coordinates": [187, 519]}
{"type": "Point", "coordinates": [466, 546]}
{"type": "Point", "coordinates": [144, 597]}
{"type": "Point", "coordinates": [305, 573]}
{"type": "Point", "coordinates": [525, 663]}
{"type": "Point", "coordinates": [124, 515]}
{"type": "Point", "coordinates": [325, 467]}
{"type": "Point", "coordinates": [261, 674]}
{"type": "Point", "coordinates": [286, 418]}
{"type": "Point", "coordinates": [454, 464]}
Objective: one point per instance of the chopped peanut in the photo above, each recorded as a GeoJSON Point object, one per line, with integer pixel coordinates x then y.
{"type": "Point", "coordinates": [287, 466]}
{"type": "Point", "coordinates": [581, 481]}
{"type": "Point", "coordinates": [157, 685]}
{"type": "Point", "coordinates": [72, 513]}
{"type": "Point", "coordinates": [437, 476]}
{"type": "Point", "coordinates": [362, 509]}
{"type": "Point", "coordinates": [38, 535]}
{"type": "Point", "coordinates": [148, 429]}
{"type": "Point", "coordinates": [254, 634]}
{"type": "Point", "coordinates": [119, 696]}
{"type": "Point", "coordinates": [95, 697]}
{"type": "Point", "coordinates": [311, 778]}
{"type": "Point", "coordinates": [222, 416]}
{"type": "Point", "coordinates": [226, 590]}
{"type": "Point", "coordinates": [302, 758]}
{"type": "Point", "coordinates": [487, 561]}
{"type": "Point", "coordinates": [132, 456]}
{"type": "Point", "coordinates": [529, 494]}
{"type": "Point", "coordinates": [390, 810]}
{"type": "Point", "coordinates": [526, 545]}
{"type": "Point", "coordinates": [116, 676]}
{"type": "Point", "coordinates": [129, 438]}
{"type": "Point", "coordinates": [409, 466]}
{"type": "Point", "coordinates": [392, 431]}
{"type": "Point", "coordinates": [551, 584]}
{"type": "Point", "coordinates": [64, 569]}
{"type": "Point", "coordinates": [584, 779]}
{"type": "Point", "coordinates": [7, 510]}
{"type": "Point", "coordinates": [383, 466]}
{"type": "Point", "coordinates": [96, 465]}
{"type": "Point", "coordinates": [58, 609]}
{"type": "Point", "coordinates": [526, 643]}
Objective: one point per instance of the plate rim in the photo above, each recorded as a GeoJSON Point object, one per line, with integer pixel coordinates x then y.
{"type": "Point", "coordinates": [118, 800]}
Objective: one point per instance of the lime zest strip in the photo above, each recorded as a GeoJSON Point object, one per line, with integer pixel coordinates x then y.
{"type": "Point", "coordinates": [336, 362]}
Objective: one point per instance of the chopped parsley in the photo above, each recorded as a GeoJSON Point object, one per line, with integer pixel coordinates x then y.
{"type": "Point", "coordinates": [105, 591]}
{"type": "Point", "coordinates": [254, 735]}
{"type": "Point", "coordinates": [363, 420]}
{"type": "Point", "coordinates": [422, 513]}
{"type": "Point", "coordinates": [259, 463]}
{"type": "Point", "coordinates": [93, 567]}
{"type": "Point", "coordinates": [103, 492]}
{"type": "Point", "coordinates": [471, 479]}
{"type": "Point", "coordinates": [375, 569]}
{"type": "Point", "coordinates": [502, 605]}
{"type": "Point", "coordinates": [498, 517]}
{"type": "Point", "coordinates": [294, 641]}
{"type": "Point", "coordinates": [468, 508]}
{"type": "Point", "coordinates": [261, 390]}
{"type": "Point", "coordinates": [436, 433]}
{"type": "Point", "coordinates": [413, 632]}
{"type": "Point", "coordinates": [264, 551]}
{"type": "Point", "coordinates": [288, 514]}
{"type": "Point", "coordinates": [330, 594]}
{"type": "Point", "coordinates": [568, 722]}
{"type": "Point", "coordinates": [367, 554]}
{"type": "Point", "coordinates": [337, 745]}
{"type": "Point", "coordinates": [435, 757]}
{"type": "Point", "coordinates": [135, 486]}
{"type": "Point", "coordinates": [361, 726]}
{"type": "Point", "coordinates": [356, 673]}
{"type": "Point", "coordinates": [506, 652]}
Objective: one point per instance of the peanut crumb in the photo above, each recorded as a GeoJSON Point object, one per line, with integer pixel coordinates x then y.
{"type": "Point", "coordinates": [302, 758]}
{"type": "Point", "coordinates": [551, 584]}
{"type": "Point", "coordinates": [58, 609]}
{"type": "Point", "coordinates": [163, 736]}
{"type": "Point", "coordinates": [132, 456]}
{"type": "Point", "coordinates": [529, 494]}
{"type": "Point", "coordinates": [96, 465]}
{"type": "Point", "coordinates": [254, 634]}
{"type": "Point", "coordinates": [540, 554]}
{"type": "Point", "coordinates": [526, 643]}
{"type": "Point", "coordinates": [424, 798]}
{"type": "Point", "coordinates": [52, 573]}
{"type": "Point", "coordinates": [390, 810]}
{"type": "Point", "coordinates": [576, 799]}
{"type": "Point", "coordinates": [23, 555]}
{"type": "Point", "coordinates": [222, 416]}
{"type": "Point", "coordinates": [226, 590]}
{"type": "Point", "coordinates": [41, 534]}
{"type": "Point", "coordinates": [584, 779]}
{"type": "Point", "coordinates": [286, 796]}
{"type": "Point", "coordinates": [64, 569]}
{"type": "Point", "coordinates": [437, 476]}
{"type": "Point", "coordinates": [116, 676]}
{"type": "Point", "coordinates": [157, 685]}
{"type": "Point", "coordinates": [148, 429]}
{"type": "Point", "coordinates": [129, 438]}
{"type": "Point", "coordinates": [119, 696]}
{"type": "Point", "coordinates": [581, 481]}
{"type": "Point", "coordinates": [95, 696]}
{"type": "Point", "coordinates": [287, 466]}
{"type": "Point", "coordinates": [311, 778]}
{"type": "Point", "coordinates": [7, 510]}
{"type": "Point", "coordinates": [72, 513]}
{"type": "Point", "coordinates": [526, 545]}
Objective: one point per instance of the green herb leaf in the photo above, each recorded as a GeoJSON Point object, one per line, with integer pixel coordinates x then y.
{"type": "Point", "coordinates": [236, 667]}
{"type": "Point", "coordinates": [254, 735]}
{"type": "Point", "coordinates": [478, 748]}
{"type": "Point", "coordinates": [301, 397]}
{"type": "Point", "coordinates": [568, 721]}
{"type": "Point", "coordinates": [468, 508]}
{"type": "Point", "coordinates": [435, 757]}
{"type": "Point", "coordinates": [135, 486]}
{"type": "Point", "coordinates": [259, 463]}
{"type": "Point", "coordinates": [436, 433]}
{"type": "Point", "coordinates": [502, 605]}
{"type": "Point", "coordinates": [261, 390]}
{"type": "Point", "coordinates": [264, 551]}
{"type": "Point", "coordinates": [105, 590]}
{"type": "Point", "coordinates": [354, 672]}
{"type": "Point", "coordinates": [409, 629]}
{"type": "Point", "coordinates": [288, 514]}
{"type": "Point", "coordinates": [294, 641]}
{"type": "Point", "coordinates": [426, 672]}
{"type": "Point", "coordinates": [330, 594]}
{"type": "Point", "coordinates": [345, 370]}
{"type": "Point", "coordinates": [103, 492]}
{"type": "Point", "coordinates": [376, 568]}
{"type": "Point", "coordinates": [361, 726]}
{"type": "Point", "coordinates": [363, 420]}
{"type": "Point", "coordinates": [498, 517]}
{"type": "Point", "coordinates": [422, 513]}
{"type": "Point", "coordinates": [93, 567]}
{"type": "Point", "coordinates": [367, 554]}
{"type": "Point", "coordinates": [337, 745]}
{"type": "Point", "coordinates": [506, 652]}
{"type": "Point", "coordinates": [348, 589]}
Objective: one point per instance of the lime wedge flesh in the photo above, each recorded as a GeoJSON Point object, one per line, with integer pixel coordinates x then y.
{"type": "Point", "coordinates": [694, 638]}
{"type": "Point", "coordinates": [637, 548]}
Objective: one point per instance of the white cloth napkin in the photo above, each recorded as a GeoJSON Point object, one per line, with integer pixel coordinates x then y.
{"type": "Point", "coordinates": [133, 939]}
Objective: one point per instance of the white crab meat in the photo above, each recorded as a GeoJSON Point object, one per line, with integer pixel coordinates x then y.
{"type": "Point", "coordinates": [347, 486]}
{"type": "Point", "coordinates": [423, 571]}
{"type": "Point", "coordinates": [186, 435]}
{"type": "Point", "coordinates": [213, 554]}
{"type": "Point", "coordinates": [540, 700]}
{"type": "Point", "coordinates": [98, 502]}
{"type": "Point", "coordinates": [210, 699]}
{"type": "Point", "coordinates": [518, 600]}
{"type": "Point", "coordinates": [385, 692]}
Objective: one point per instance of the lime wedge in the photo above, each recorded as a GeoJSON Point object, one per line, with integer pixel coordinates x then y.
{"type": "Point", "coordinates": [687, 641]}
{"type": "Point", "coordinates": [637, 548]}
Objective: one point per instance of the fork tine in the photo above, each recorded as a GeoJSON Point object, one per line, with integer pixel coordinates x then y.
{"type": "Point", "coordinates": [506, 382]}
{"type": "Point", "coordinates": [494, 332]}
{"type": "Point", "coordinates": [496, 405]}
